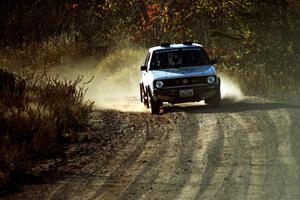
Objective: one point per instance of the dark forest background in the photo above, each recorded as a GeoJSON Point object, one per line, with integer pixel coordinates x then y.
{"type": "Point", "coordinates": [249, 35]}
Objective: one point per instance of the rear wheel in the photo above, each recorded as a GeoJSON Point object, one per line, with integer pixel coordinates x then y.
{"type": "Point", "coordinates": [144, 96]}
{"type": "Point", "coordinates": [141, 92]}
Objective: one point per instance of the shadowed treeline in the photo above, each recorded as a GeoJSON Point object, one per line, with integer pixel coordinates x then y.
{"type": "Point", "coordinates": [256, 41]}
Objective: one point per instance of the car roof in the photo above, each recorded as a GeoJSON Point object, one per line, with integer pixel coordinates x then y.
{"type": "Point", "coordinates": [174, 46]}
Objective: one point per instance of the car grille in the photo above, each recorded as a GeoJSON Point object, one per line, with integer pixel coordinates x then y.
{"type": "Point", "coordinates": [185, 81]}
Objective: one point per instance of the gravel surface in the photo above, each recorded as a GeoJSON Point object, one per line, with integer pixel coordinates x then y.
{"type": "Point", "coordinates": [243, 150]}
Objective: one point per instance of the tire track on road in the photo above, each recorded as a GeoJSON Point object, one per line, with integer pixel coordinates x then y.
{"type": "Point", "coordinates": [213, 160]}
{"type": "Point", "coordinates": [167, 174]}
{"type": "Point", "coordinates": [93, 175]}
{"type": "Point", "coordinates": [267, 172]}
{"type": "Point", "coordinates": [205, 136]}
{"type": "Point", "coordinates": [145, 183]}
{"type": "Point", "coordinates": [282, 121]}
{"type": "Point", "coordinates": [188, 128]}
{"type": "Point", "coordinates": [229, 177]}
{"type": "Point", "coordinates": [236, 183]}
{"type": "Point", "coordinates": [128, 155]}
{"type": "Point", "coordinates": [119, 180]}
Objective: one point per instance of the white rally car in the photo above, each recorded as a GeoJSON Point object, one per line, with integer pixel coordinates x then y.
{"type": "Point", "coordinates": [179, 73]}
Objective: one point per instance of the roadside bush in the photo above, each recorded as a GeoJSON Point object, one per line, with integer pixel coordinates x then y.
{"type": "Point", "coordinates": [257, 80]}
{"type": "Point", "coordinates": [256, 77]}
{"type": "Point", "coordinates": [37, 114]}
{"type": "Point", "coordinates": [48, 53]}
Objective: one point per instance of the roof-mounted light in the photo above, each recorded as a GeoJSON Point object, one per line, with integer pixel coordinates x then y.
{"type": "Point", "coordinates": [165, 45]}
{"type": "Point", "coordinates": [188, 43]}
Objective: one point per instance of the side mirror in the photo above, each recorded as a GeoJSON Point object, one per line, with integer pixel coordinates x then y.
{"type": "Point", "coordinates": [144, 68]}
{"type": "Point", "coordinates": [213, 61]}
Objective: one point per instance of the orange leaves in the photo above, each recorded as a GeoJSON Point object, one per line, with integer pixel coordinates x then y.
{"type": "Point", "coordinates": [152, 15]}
{"type": "Point", "coordinates": [153, 11]}
{"type": "Point", "coordinates": [72, 6]}
{"type": "Point", "coordinates": [75, 6]}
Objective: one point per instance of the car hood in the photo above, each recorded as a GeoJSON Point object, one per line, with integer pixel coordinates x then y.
{"type": "Point", "coordinates": [205, 70]}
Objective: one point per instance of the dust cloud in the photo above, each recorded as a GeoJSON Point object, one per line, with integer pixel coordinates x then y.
{"type": "Point", "coordinates": [230, 90]}
{"type": "Point", "coordinates": [115, 83]}
{"type": "Point", "coordinates": [123, 95]}
{"type": "Point", "coordinates": [115, 79]}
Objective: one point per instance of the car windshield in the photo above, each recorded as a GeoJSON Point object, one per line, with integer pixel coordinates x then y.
{"type": "Point", "coordinates": [179, 57]}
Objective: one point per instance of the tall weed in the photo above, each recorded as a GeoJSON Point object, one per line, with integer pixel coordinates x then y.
{"type": "Point", "coordinates": [37, 115]}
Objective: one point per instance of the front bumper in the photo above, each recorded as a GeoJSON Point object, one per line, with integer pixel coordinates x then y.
{"type": "Point", "coordinates": [172, 95]}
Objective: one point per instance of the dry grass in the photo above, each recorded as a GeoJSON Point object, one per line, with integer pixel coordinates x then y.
{"type": "Point", "coordinates": [37, 114]}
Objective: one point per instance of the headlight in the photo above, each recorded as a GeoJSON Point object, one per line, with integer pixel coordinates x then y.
{"type": "Point", "coordinates": [159, 84]}
{"type": "Point", "coordinates": [211, 79]}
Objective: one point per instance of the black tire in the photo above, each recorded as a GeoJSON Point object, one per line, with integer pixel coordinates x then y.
{"type": "Point", "coordinates": [146, 101]}
{"type": "Point", "coordinates": [145, 97]}
{"type": "Point", "coordinates": [141, 93]}
{"type": "Point", "coordinates": [154, 106]}
{"type": "Point", "coordinates": [215, 101]}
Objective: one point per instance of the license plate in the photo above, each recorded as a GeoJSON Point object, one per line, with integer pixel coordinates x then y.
{"type": "Point", "coordinates": [186, 93]}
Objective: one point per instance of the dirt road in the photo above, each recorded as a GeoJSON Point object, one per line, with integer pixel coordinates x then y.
{"type": "Point", "coordinates": [244, 150]}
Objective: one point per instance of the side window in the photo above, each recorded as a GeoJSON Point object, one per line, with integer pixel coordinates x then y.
{"type": "Point", "coordinates": [157, 61]}
{"type": "Point", "coordinates": [147, 59]}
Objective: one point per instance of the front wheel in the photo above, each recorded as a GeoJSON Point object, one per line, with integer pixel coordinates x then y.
{"type": "Point", "coordinates": [154, 106]}
{"type": "Point", "coordinates": [214, 101]}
